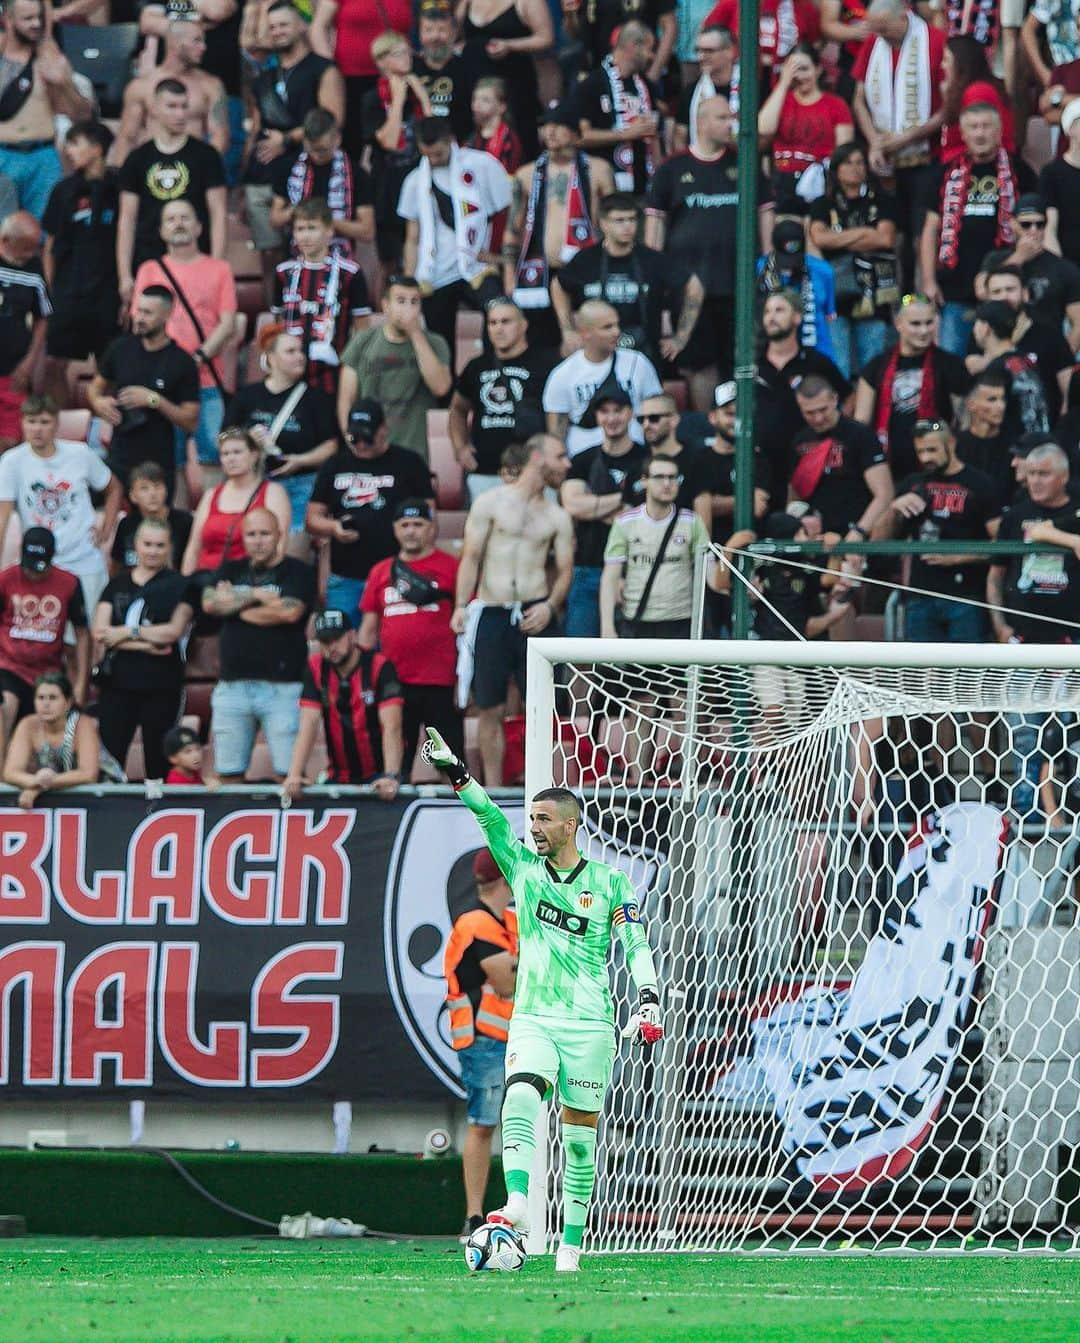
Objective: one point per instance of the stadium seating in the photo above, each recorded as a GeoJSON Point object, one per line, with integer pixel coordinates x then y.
{"type": "Point", "coordinates": [104, 55]}
{"type": "Point", "coordinates": [449, 477]}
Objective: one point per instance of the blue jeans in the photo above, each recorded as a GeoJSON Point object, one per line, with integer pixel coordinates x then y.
{"type": "Point", "coordinates": [345, 594]}
{"type": "Point", "coordinates": [931, 620]}
{"type": "Point", "coordinates": [298, 488]}
{"type": "Point", "coordinates": [855, 343]}
{"type": "Point", "coordinates": [34, 174]}
{"type": "Point", "coordinates": [583, 604]}
{"type": "Point", "coordinates": [957, 320]}
{"type": "Point", "coordinates": [482, 1067]}
{"type": "Point", "coordinates": [240, 708]}
{"type": "Point", "coordinates": [1026, 758]}
{"type": "Point", "coordinates": [211, 420]}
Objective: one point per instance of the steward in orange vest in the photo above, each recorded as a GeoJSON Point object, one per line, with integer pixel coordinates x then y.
{"type": "Point", "coordinates": [486, 929]}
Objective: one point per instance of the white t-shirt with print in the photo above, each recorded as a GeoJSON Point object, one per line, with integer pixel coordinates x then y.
{"type": "Point", "coordinates": [54, 492]}
{"type": "Point", "coordinates": [572, 385]}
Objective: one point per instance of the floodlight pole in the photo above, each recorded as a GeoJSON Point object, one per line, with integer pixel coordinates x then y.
{"type": "Point", "coordinates": [746, 254]}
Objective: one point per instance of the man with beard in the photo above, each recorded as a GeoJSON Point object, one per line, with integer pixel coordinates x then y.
{"type": "Point", "coordinates": [36, 86]}
{"type": "Point", "coordinates": [1043, 341]}
{"type": "Point", "coordinates": [618, 110]}
{"type": "Point", "coordinates": [659, 420]}
{"type": "Point", "coordinates": [915, 380]}
{"type": "Point", "coordinates": [1027, 408]}
{"type": "Point", "coordinates": [556, 201]}
{"type": "Point", "coordinates": [146, 387]}
{"type": "Point", "coordinates": [712, 473]}
{"type": "Point", "coordinates": [503, 393]}
{"type": "Point", "coordinates": [783, 364]}
{"type": "Point", "coordinates": [602, 482]}
{"type": "Point", "coordinates": [447, 75]}
{"type": "Point", "coordinates": [1052, 283]}
{"type": "Point", "coordinates": [691, 215]}
{"type": "Point", "coordinates": [510, 534]}
{"type": "Point", "coordinates": [638, 283]}
{"type": "Point", "coordinates": [943, 500]}
{"type": "Point", "coordinates": [208, 112]}
{"type": "Point", "coordinates": [984, 444]}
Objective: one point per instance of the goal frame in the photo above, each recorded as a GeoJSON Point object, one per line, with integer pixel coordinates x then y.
{"type": "Point", "coordinates": [545, 655]}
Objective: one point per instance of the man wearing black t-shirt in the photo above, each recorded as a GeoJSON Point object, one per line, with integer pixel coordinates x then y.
{"type": "Point", "coordinates": [323, 171]}
{"type": "Point", "coordinates": [985, 444]}
{"type": "Point", "coordinates": [638, 282]}
{"type": "Point", "coordinates": [660, 420]}
{"type": "Point", "coordinates": [947, 501]}
{"type": "Point", "coordinates": [353, 503]}
{"type": "Point", "coordinates": [447, 75]}
{"type": "Point", "coordinates": [1027, 405]}
{"type": "Point", "coordinates": [617, 110]}
{"type": "Point", "coordinates": [784, 363]}
{"type": "Point", "coordinates": [1052, 284]}
{"type": "Point", "coordinates": [968, 212]}
{"type": "Point", "coordinates": [502, 391]}
{"type": "Point", "coordinates": [1043, 341]}
{"type": "Point", "coordinates": [915, 380]}
{"type": "Point", "coordinates": [717, 55]}
{"type": "Point", "coordinates": [263, 604]}
{"type": "Point", "coordinates": [1059, 186]}
{"type": "Point", "coordinates": [80, 255]}
{"type": "Point", "coordinates": [841, 469]}
{"type": "Point", "coordinates": [171, 166]}
{"type": "Point", "coordinates": [602, 482]}
{"type": "Point", "coordinates": [145, 385]}
{"type": "Point", "coordinates": [691, 214]}
{"type": "Point", "coordinates": [595, 24]}
{"type": "Point", "coordinates": [712, 473]}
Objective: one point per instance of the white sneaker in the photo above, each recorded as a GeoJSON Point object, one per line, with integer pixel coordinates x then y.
{"type": "Point", "coordinates": [567, 1258]}
{"type": "Point", "coordinates": [515, 1213]}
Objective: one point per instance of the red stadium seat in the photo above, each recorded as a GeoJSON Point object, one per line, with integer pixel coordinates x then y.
{"type": "Point", "coordinates": [449, 477]}
{"type": "Point", "coordinates": [74, 424]}
{"type": "Point", "coordinates": [678, 389]}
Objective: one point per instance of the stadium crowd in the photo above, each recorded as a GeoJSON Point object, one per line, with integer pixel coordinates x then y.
{"type": "Point", "coordinates": [345, 348]}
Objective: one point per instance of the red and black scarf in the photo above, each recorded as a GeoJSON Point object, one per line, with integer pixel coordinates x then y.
{"type": "Point", "coordinates": [954, 195]}
{"type": "Point", "coordinates": [531, 278]}
{"type": "Point", "coordinates": [410, 112]}
{"type": "Point", "coordinates": [504, 145]}
{"type": "Point", "coordinates": [927, 393]}
{"type": "Point", "coordinates": [974, 18]}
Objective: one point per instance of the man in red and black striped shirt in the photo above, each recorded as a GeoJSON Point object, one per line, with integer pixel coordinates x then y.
{"type": "Point", "coordinates": [358, 699]}
{"type": "Point", "coordinates": [321, 296]}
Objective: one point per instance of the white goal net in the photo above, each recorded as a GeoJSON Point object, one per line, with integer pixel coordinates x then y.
{"type": "Point", "coordinates": [858, 867]}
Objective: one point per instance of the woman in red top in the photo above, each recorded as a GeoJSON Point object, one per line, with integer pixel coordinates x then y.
{"type": "Point", "coordinates": [802, 124]}
{"type": "Point", "coordinates": [967, 79]}
{"type": "Point", "coordinates": [216, 531]}
{"type": "Point", "coordinates": [343, 31]}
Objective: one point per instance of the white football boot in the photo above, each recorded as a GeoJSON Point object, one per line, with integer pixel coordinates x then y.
{"type": "Point", "coordinates": [567, 1258]}
{"type": "Point", "coordinates": [514, 1213]}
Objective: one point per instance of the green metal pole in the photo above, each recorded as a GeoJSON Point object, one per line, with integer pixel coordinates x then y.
{"type": "Point", "coordinates": [746, 254]}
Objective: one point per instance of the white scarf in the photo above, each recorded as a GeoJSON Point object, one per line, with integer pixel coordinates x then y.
{"type": "Point", "coordinates": [901, 100]}
{"type": "Point", "coordinates": [471, 224]}
{"type": "Point", "coordinates": [705, 88]}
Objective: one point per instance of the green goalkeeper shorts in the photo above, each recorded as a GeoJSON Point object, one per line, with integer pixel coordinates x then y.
{"type": "Point", "coordinates": [575, 1057]}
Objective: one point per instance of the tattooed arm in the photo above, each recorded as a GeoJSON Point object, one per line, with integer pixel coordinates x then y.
{"type": "Point", "coordinates": [692, 299]}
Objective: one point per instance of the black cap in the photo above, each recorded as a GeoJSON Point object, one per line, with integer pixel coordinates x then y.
{"type": "Point", "coordinates": [38, 549]}
{"type": "Point", "coordinates": [331, 624]}
{"type": "Point", "coordinates": [176, 739]}
{"type": "Point", "coordinates": [780, 527]}
{"type": "Point", "coordinates": [365, 419]}
{"type": "Point", "coordinates": [614, 396]}
{"type": "Point", "coordinates": [413, 508]}
{"type": "Point", "coordinates": [789, 238]}
{"type": "Point", "coordinates": [1027, 443]}
{"type": "Point", "coordinates": [1030, 203]}
{"type": "Point", "coordinates": [560, 114]}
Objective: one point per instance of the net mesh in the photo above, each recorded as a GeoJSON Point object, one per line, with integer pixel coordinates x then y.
{"type": "Point", "coordinates": [860, 886]}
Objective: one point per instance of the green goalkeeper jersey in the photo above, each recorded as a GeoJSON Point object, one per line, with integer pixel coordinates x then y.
{"type": "Point", "coordinates": [565, 920]}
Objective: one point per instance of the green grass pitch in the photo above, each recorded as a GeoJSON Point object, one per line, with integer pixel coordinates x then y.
{"type": "Point", "coordinates": [266, 1291]}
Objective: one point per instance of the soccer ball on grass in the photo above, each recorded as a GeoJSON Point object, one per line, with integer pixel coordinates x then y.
{"type": "Point", "coordinates": [494, 1246]}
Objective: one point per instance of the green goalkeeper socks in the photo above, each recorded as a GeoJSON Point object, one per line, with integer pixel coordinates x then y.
{"type": "Point", "coordinates": [579, 1176]}
{"type": "Point", "coordinates": [521, 1105]}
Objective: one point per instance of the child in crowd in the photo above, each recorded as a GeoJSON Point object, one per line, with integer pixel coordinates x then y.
{"type": "Point", "coordinates": [493, 132]}
{"type": "Point", "coordinates": [184, 753]}
{"type": "Point", "coordinates": [148, 496]}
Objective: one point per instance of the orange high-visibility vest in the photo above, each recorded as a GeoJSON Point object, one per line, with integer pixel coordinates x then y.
{"type": "Point", "coordinates": [492, 1016]}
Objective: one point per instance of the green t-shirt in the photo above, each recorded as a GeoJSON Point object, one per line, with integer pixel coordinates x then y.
{"type": "Point", "coordinates": [565, 922]}
{"type": "Point", "coordinates": [390, 373]}
{"type": "Point", "coordinates": [633, 543]}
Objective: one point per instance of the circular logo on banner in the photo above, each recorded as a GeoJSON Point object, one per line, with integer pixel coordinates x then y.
{"type": "Point", "coordinates": [429, 883]}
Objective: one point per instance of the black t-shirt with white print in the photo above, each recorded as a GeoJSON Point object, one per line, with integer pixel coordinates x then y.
{"type": "Point", "coordinates": [506, 399]}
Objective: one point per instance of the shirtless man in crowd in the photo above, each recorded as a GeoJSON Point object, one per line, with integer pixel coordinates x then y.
{"type": "Point", "coordinates": [208, 111]}
{"type": "Point", "coordinates": [564, 211]}
{"type": "Point", "coordinates": [509, 534]}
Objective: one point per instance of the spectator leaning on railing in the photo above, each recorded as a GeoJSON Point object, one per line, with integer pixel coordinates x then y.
{"type": "Point", "coordinates": [56, 746]}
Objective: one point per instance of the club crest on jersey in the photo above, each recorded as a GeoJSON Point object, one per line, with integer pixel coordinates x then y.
{"type": "Point", "coordinates": [585, 899]}
{"type": "Point", "coordinates": [626, 914]}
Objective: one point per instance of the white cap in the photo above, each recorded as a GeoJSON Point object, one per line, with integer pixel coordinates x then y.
{"type": "Point", "coordinates": [1071, 112]}
{"type": "Point", "coordinates": [725, 394]}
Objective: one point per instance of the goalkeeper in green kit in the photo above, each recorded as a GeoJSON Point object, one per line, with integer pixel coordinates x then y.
{"type": "Point", "coordinates": [562, 1032]}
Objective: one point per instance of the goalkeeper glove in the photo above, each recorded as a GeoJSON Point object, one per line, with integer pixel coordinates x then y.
{"type": "Point", "coordinates": [436, 752]}
{"type": "Point", "coordinates": [644, 1026]}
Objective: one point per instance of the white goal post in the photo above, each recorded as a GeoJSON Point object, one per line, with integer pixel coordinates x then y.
{"type": "Point", "coordinates": [859, 867]}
